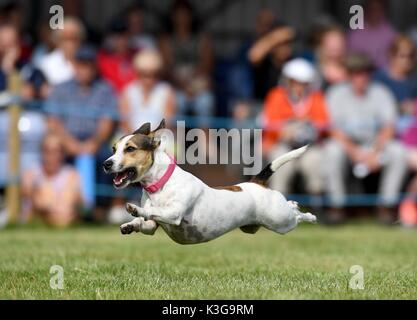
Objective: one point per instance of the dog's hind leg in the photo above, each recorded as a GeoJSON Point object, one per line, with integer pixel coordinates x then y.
{"type": "Point", "coordinates": [139, 225]}
{"type": "Point", "coordinates": [301, 216]}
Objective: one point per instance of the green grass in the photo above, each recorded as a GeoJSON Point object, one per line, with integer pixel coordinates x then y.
{"type": "Point", "coordinates": [311, 262]}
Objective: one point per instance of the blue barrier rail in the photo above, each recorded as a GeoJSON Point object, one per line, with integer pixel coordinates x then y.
{"type": "Point", "coordinates": [190, 121]}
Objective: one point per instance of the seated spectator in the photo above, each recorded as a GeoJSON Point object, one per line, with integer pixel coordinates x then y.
{"type": "Point", "coordinates": [399, 79]}
{"type": "Point", "coordinates": [329, 56]}
{"type": "Point", "coordinates": [377, 35]}
{"type": "Point", "coordinates": [188, 58]}
{"type": "Point", "coordinates": [138, 38]}
{"type": "Point", "coordinates": [57, 66]}
{"type": "Point", "coordinates": [295, 115]}
{"type": "Point", "coordinates": [363, 119]}
{"type": "Point", "coordinates": [31, 122]}
{"type": "Point", "coordinates": [81, 112]}
{"type": "Point", "coordinates": [115, 60]}
{"type": "Point", "coordinates": [45, 45]}
{"type": "Point", "coordinates": [14, 14]}
{"type": "Point", "coordinates": [147, 99]}
{"type": "Point", "coordinates": [52, 189]}
{"type": "Point", "coordinates": [10, 53]}
{"type": "Point", "coordinates": [268, 55]}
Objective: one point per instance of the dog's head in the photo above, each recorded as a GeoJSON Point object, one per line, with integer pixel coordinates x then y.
{"type": "Point", "coordinates": [133, 155]}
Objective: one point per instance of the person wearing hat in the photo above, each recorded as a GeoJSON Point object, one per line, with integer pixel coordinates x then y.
{"type": "Point", "coordinates": [81, 111]}
{"type": "Point", "coordinates": [295, 114]}
{"type": "Point", "coordinates": [57, 65]}
{"type": "Point", "coordinates": [363, 117]}
{"type": "Point", "coordinates": [147, 99]}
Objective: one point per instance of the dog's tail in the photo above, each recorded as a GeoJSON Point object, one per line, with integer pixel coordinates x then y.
{"type": "Point", "coordinates": [262, 177]}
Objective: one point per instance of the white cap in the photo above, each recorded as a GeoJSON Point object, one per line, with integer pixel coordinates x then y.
{"type": "Point", "coordinates": [149, 60]}
{"type": "Point", "coordinates": [299, 70]}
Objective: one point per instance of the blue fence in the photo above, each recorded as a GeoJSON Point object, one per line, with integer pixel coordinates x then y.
{"type": "Point", "coordinates": [190, 121]}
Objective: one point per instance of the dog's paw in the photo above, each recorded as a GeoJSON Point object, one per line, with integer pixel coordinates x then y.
{"type": "Point", "coordinates": [127, 228]}
{"type": "Point", "coordinates": [293, 204]}
{"type": "Point", "coordinates": [132, 209]}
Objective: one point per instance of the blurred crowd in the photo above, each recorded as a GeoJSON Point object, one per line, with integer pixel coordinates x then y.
{"type": "Point", "coordinates": [350, 94]}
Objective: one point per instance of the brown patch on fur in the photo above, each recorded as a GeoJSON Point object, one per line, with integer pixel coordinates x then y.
{"type": "Point", "coordinates": [141, 142]}
{"type": "Point", "coordinates": [262, 183]}
{"type": "Point", "coordinates": [142, 157]}
{"type": "Point", "coordinates": [230, 188]}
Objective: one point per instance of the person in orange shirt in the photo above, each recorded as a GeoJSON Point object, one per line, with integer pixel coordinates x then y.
{"type": "Point", "coordinates": [295, 114]}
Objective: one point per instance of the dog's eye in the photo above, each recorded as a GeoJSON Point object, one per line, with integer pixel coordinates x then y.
{"type": "Point", "coordinates": [113, 149]}
{"type": "Point", "coordinates": [130, 149]}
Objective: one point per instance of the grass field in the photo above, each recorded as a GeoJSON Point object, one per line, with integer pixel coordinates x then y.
{"type": "Point", "coordinates": [312, 262]}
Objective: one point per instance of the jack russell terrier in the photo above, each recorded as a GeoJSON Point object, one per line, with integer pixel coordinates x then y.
{"type": "Point", "coordinates": [186, 208]}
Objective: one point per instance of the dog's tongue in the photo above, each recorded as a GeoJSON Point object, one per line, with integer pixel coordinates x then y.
{"type": "Point", "coordinates": [119, 177]}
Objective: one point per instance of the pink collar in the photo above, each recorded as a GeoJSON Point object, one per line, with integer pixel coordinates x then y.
{"type": "Point", "coordinates": [154, 187]}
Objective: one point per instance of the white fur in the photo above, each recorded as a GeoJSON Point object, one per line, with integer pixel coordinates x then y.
{"type": "Point", "coordinates": [287, 157]}
{"type": "Point", "coordinates": [117, 157]}
{"type": "Point", "coordinates": [191, 212]}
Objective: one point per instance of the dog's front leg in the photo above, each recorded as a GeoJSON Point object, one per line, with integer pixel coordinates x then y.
{"type": "Point", "coordinates": [139, 225]}
{"type": "Point", "coordinates": [170, 215]}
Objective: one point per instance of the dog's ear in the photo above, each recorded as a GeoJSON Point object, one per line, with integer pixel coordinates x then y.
{"type": "Point", "coordinates": [156, 135]}
{"type": "Point", "coordinates": [161, 126]}
{"type": "Point", "coordinates": [144, 129]}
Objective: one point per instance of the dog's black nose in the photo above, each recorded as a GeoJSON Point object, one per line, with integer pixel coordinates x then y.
{"type": "Point", "coordinates": [107, 165]}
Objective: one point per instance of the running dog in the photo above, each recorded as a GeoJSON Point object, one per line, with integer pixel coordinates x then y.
{"type": "Point", "coordinates": [186, 208]}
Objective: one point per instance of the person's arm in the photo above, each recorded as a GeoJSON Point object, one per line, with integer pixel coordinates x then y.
{"type": "Point", "coordinates": [387, 117]}
{"type": "Point", "coordinates": [348, 145]}
{"type": "Point", "coordinates": [108, 111]}
{"type": "Point", "coordinates": [384, 136]}
{"type": "Point", "coordinates": [170, 104]}
{"type": "Point", "coordinates": [72, 145]}
{"type": "Point", "coordinates": [124, 114]}
{"type": "Point", "coordinates": [334, 99]}
{"type": "Point", "coordinates": [166, 52]}
{"type": "Point", "coordinates": [205, 56]}
{"type": "Point", "coordinates": [26, 191]}
{"type": "Point", "coordinates": [103, 132]}
{"type": "Point", "coordinates": [263, 46]}
{"type": "Point", "coordinates": [272, 121]}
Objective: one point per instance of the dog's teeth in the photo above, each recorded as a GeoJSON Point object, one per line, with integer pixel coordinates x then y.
{"type": "Point", "coordinates": [120, 177]}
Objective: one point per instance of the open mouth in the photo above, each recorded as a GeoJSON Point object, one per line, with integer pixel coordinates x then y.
{"type": "Point", "coordinates": [123, 177]}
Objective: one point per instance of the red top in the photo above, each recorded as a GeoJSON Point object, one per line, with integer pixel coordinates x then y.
{"type": "Point", "coordinates": [117, 69]}
{"type": "Point", "coordinates": [278, 109]}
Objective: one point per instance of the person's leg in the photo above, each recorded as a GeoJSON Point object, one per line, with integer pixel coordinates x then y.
{"type": "Point", "coordinates": [281, 179]}
{"type": "Point", "coordinates": [311, 167]}
{"type": "Point", "coordinates": [393, 175]}
{"type": "Point", "coordinates": [336, 163]}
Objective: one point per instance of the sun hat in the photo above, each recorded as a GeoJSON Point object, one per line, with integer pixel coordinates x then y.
{"type": "Point", "coordinates": [299, 70]}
